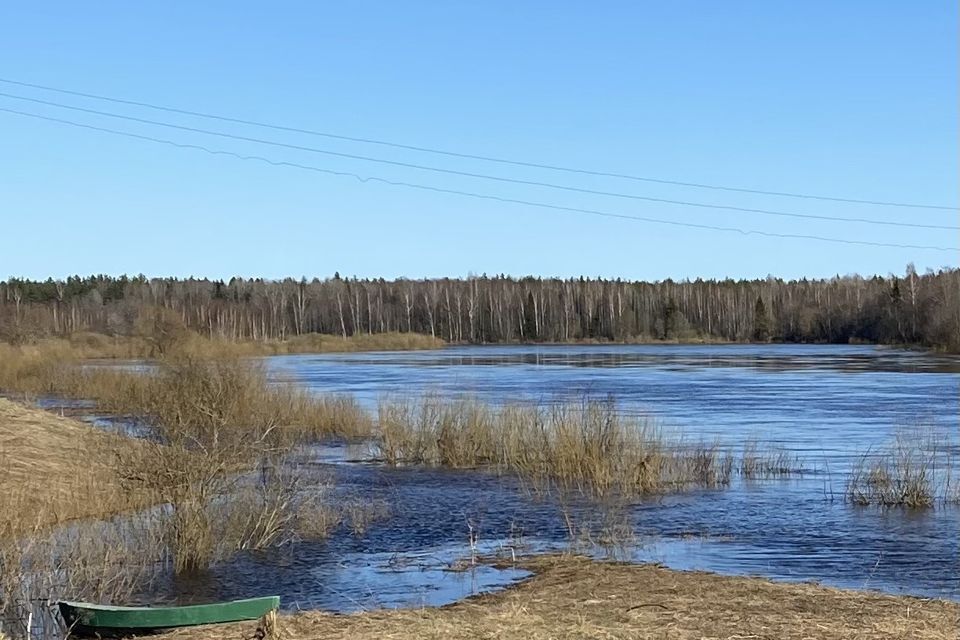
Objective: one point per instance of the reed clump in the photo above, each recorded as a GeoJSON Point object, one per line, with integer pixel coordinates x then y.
{"type": "Point", "coordinates": [118, 559]}
{"type": "Point", "coordinates": [760, 461]}
{"type": "Point", "coordinates": [589, 447]}
{"type": "Point", "coordinates": [916, 471]}
{"type": "Point", "coordinates": [182, 388]}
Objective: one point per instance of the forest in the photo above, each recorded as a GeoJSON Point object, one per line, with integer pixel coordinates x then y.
{"type": "Point", "coordinates": [913, 308]}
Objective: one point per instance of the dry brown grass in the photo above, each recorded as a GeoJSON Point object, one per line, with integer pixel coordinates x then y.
{"type": "Point", "coordinates": [226, 486]}
{"type": "Point", "coordinates": [188, 390]}
{"type": "Point", "coordinates": [57, 469]}
{"type": "Point", "coordinates": [230, 395]}
{"type": "Point", "coordinates": [37, 366]}
{"type": "Point", "coordinates": [392, 341]}
{"type": "Point", "coordinates": [589, 447]}
{"type": "Point", "coordinates": [184, 388]}
{"type": "Point", "coordinates": [579, 598]}
{"type": "Point", "coordinates": [763, 461]}
{"type": "Point", "coordinates": [218, 492]}
{"type": "Point", "coordinates": [221, 460]}
{"type": "Point", "coordinates": [916, 471]}
{"type": "Point", "coordinates": [200, 346]}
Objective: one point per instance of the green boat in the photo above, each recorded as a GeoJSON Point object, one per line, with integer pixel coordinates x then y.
{"type": "Point", "coordinates": [84, 619]}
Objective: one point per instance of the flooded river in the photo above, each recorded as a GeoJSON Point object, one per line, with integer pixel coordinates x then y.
{"type": "Point", "coordinates": [827, 404]}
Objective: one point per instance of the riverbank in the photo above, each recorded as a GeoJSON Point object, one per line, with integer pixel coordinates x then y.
{"type": "Point", "coordinates": [58, 469]}
{"type": "Point", "coordinates": [572, 597]}
{"type": "Point", "coordinates": [37, 367]}
{"type": "Point", "coordinates": [64, 466]}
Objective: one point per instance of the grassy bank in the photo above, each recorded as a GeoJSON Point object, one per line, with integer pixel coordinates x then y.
{"type": "Point", "coordinates": [310, 343]}
{"type": "Point", "coordinates": [29, 366]}
{"type": "Point", "coordinates": [571, 597]}
{"type": "Point", "coordinates": [183, 388]}
{"type": "Point", "coordinates": [57, 469]}
{"type": "Point", "coordinates": [222, 461]}
{"type": "Point", "coordinates": [199, 495]}
{"type": "Point", "coordinates": [230, 395]}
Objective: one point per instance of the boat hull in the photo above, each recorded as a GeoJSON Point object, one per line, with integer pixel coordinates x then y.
{"type": "Point", "coordinates": [83, 619]}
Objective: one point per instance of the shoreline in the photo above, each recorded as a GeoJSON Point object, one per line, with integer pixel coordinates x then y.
{"type": "Point", "coordinates": [573, 596]}
{"type": "Point", "coordinates": [567, 596]}
{"type": "Point", "coordinates": [92, 346]}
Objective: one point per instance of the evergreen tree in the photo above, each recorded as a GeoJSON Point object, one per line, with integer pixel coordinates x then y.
{"type": "Point", "coordinates": [670, 319]}
{"type": "Point", "coordinates": [761, 321]}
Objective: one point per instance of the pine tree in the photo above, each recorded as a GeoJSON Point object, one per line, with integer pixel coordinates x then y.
{"type": "Point", "coordinates": [761, 321]}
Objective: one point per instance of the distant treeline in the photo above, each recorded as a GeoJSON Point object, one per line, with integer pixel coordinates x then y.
{"type": "Point", "coordinates": [913, 308]}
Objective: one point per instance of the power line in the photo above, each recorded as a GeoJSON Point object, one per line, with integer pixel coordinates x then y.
{"type": "Point", "coordinates": [629, 196]}
{"type": "Point", "coordinates": [366, 179]}
{"type": "Point", "coordinates": [470, 156]}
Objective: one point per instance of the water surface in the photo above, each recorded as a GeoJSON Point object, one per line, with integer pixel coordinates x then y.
{"type": "Point", "coordinates": [826, 404]}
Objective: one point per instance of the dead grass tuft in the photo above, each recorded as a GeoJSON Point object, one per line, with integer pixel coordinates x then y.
{"type": "Point", "coordinates": [916, 472]}
{"type": "Point", "coordinates": [759, 461]}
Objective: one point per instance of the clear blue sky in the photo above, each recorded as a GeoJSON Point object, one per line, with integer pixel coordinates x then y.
{"type": "Point", "coordinates": [852, 99]}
